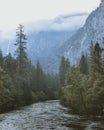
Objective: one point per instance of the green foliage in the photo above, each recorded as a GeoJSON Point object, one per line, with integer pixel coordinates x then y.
{"type": "Point", "coordinates": [21, 50]}
{"type": "Point", "coordinates": [94, 97]}
{"type": "Point", "coordinates": [6, 91]}
{"type": "Point", "coordinates": [84, 65]}
{"type": "Point", "coordinates": [21, 83]}
{"type": "Point", "coordinates": [74, 92]}
{"type": "Point", "coordinates": [95, 60]}
{"type": "Point", "coordinates": [84, 92]}
{"type": "Point", "coordinates": [1, 59]}
{"type": "Point", "coordinates": [9, 64]}
{"type": "Point", "coordinates": [64, 66]}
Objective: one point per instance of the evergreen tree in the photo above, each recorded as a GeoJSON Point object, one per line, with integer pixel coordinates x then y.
{"type": "Point", "coordinates": [84, 93]}
{"type": "Point", "coordinates": [22, 77]}
{"type": "Point", "coordinates": [95, 59]}
{"type": "Point", "coordinates": [67, 65]}
{"type": "Point", "coordinates": [1, 59]}
{"type": "Point", "coordinates": [6, 92]}
{"type": "Point", "coordinates": [39, 77]}
{"type": "Point", "coordinates": [9, 64]}
{"type": "Point", "coordinates": [21, 49]}
{"type": "Point", "coordinates": [62, 71]}
{"type": "Point", "coordinates": [63, 68]}
{"type": "Point", "coordinates": [84, 65]}
{"type": "Point", "coordinates": [91, 61]}
{"type": "Point", "coordinates": [103, 55]}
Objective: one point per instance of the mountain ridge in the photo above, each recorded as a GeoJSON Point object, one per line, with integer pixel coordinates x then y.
{"type": "Point", "coordinates": [78, 43]}
{"type": "Point", "coordinates": [92, 31]}
{"type": "Point", "coordinates": [45, 37]}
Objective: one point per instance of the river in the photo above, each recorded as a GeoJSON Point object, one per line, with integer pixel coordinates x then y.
{"type": "Point", "coordinates": [49, 115]}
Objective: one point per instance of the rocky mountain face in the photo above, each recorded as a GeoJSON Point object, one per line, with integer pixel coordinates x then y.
{"type": "Point", "coordinates": [44, 44]}
{"type": "Point", "coordinates": [92, 31]}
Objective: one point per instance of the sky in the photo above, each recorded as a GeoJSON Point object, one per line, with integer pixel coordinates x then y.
{"type": "Point", "coordinates": [14, 12]}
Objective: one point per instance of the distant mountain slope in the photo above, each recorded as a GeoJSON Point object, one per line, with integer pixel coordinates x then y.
{"type": "Point", "coordinates": [45, 37]}
{"type": "Point", "coordinates": [93, 30]}
{"type": "Point", "coordinates": [45, 43]}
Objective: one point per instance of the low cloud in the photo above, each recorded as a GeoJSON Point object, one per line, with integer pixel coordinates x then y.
{"type": "Point", "coordinates": [62, 22]}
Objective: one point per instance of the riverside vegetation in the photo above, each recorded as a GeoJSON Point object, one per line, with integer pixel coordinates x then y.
{"type": "Point", "coordinates": [21, 83]}
{"type": "Point", "coordinates": [80, 87]}
{"type": "Point", "coordinates": [83, 84]}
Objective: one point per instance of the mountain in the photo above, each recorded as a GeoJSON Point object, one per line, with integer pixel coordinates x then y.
{"type": "Point", "coordinates": [45, 37]}
{"type": "Point", "coordinates": [92, 31]}
{"type": "Point", "coordinates": [44, 44]}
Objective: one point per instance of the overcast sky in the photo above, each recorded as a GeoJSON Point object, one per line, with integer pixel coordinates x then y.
{"type": "Point", "coordinates": [13, 12]}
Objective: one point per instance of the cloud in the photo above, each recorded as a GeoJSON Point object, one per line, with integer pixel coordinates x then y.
{"type": "Point", "coordinates": [62, 22]}
{"type": "Point", "coordinates": [73, 15]}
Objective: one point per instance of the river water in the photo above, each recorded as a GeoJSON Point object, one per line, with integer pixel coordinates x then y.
{"type": "Point", "coordinates": [49, 115]}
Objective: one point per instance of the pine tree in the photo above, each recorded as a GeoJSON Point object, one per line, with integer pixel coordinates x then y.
{"type": "Point", "coordinates": [97, 59]}
{"type": "Point", "coordinates": [22, 77]}
{"type": "Point", "coordinates": [103, 55]}
{"type": "Point", "coordinates": [91, 60]}
{"type": "Point", "coordinates": [9, 64]}
{"type": "Point", "coordinates": [63, 68]}
{"type": "Point", "coordinates": [62, 71]}
{"type": "Point", "coordinates": [84, 65]}
{"type": "Point", "coordinates": [67, 64]}
{"type": "Point", "coordinates": [21, 49]}
{"type": "Point", "coordinates": [1, 59]}
{"type": "Point", "coordinates": [39, 77]}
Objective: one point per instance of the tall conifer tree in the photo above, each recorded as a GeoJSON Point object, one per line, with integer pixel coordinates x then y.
{"type": "Point", "coordinates": [62, 71]}
{"type": "Point", "coordinates": [21, 49]}
{"type": "Point", "coordinates": [84, 65]}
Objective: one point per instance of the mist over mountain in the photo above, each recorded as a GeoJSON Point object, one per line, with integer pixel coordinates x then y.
{"type": "Point", "coordinates": [92, 31]}
{"type": "Point", "coordinates": [60, 23]}
{"type": "Point", "coordinates": [45, 37]}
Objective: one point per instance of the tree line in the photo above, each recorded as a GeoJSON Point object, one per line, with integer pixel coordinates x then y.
{"type": "Point", "coordinates": [21, 83]}
{"type": "Point", "coordinates": [83, 88]}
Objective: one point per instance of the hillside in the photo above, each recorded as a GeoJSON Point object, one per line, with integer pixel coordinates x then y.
{"type": "Point", "coordinates": [92, 31]}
